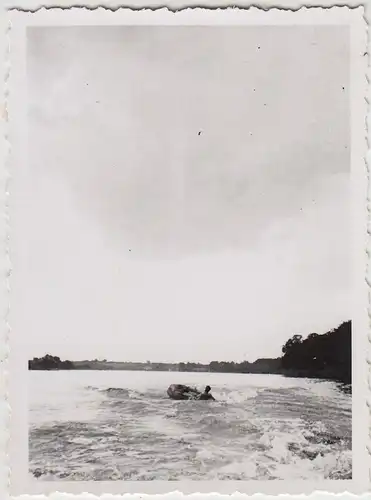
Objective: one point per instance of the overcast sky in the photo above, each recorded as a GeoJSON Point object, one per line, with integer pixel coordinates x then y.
{"type": "Point", "coordinates": [187, 196]}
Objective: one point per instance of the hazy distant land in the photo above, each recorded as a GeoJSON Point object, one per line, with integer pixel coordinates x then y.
{"type": "Point", "coordinates": [326, 356]}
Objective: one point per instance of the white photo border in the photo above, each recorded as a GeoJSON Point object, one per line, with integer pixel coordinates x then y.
{"type": "Point", "coordinates": [16, 138]}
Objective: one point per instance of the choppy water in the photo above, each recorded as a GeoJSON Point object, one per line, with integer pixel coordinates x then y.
{"type": "Point", "coordinates": [96, 425]}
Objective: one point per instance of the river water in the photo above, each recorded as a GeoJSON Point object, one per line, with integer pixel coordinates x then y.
{"type": "Point", "coordinates": [120, 425]}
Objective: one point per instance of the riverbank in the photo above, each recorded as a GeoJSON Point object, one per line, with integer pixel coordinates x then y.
{"type": "Point", "coordinates": [41, 364]}
{"type": "Point", "coordinates": [326, 357]}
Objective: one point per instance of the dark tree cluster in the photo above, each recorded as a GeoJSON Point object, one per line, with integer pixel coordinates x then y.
{"type": "Point", "coordinates": [49, 362]}
{"type": "Point", "coordinates": [324, 356]}
{"type": "Point", "coordinates": [327, 356]}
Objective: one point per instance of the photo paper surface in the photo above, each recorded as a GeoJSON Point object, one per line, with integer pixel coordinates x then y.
{"type": "Point", "coordinates": [188, 230]}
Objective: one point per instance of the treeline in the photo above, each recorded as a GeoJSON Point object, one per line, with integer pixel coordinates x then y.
{"type": "Point", "coordinates": [327, 356]}
{"type": "Point", "coordinates": [263, 365]}
{"type": "Point", "coordinates": [323, 356]}
{"type": "Point", "coordinates": [49, 362]}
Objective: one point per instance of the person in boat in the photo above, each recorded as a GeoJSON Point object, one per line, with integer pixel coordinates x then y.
{"type": "Point", "coordinates": [180, 391]}
{"type": "Point", "coordinates": [206, 394]}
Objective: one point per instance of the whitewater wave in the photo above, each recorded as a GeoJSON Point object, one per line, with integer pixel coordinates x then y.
{"type": "Point", "coordinates": [137, 433]}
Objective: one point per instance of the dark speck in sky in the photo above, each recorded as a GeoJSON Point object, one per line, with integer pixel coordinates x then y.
{"type": "Point", "coordinates": [200, 132]}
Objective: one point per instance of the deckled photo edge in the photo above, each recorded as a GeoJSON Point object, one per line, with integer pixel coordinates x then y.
{"type": "Point", "coordinates": [5, 260]}
{"type": "Point", "coordinates": [7, 82]}
{"type": "Point", "coordinates": [230, 14]}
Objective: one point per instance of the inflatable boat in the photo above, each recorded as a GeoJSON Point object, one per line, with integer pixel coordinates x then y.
{"type": "Point", "coordinates": [180, 391]}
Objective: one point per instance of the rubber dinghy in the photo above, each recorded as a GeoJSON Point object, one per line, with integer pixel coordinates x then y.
{"type": "Point", "coordinates": [180, 391]}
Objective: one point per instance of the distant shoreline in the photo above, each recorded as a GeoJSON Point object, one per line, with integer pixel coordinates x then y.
{"type": "Point", "coordinates": [325, 357]}
{"type": "Point", "coordinates": [54, 363]}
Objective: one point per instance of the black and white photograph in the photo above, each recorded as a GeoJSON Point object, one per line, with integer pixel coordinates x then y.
{"type": "Point", "coordinates": [185, 271]}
